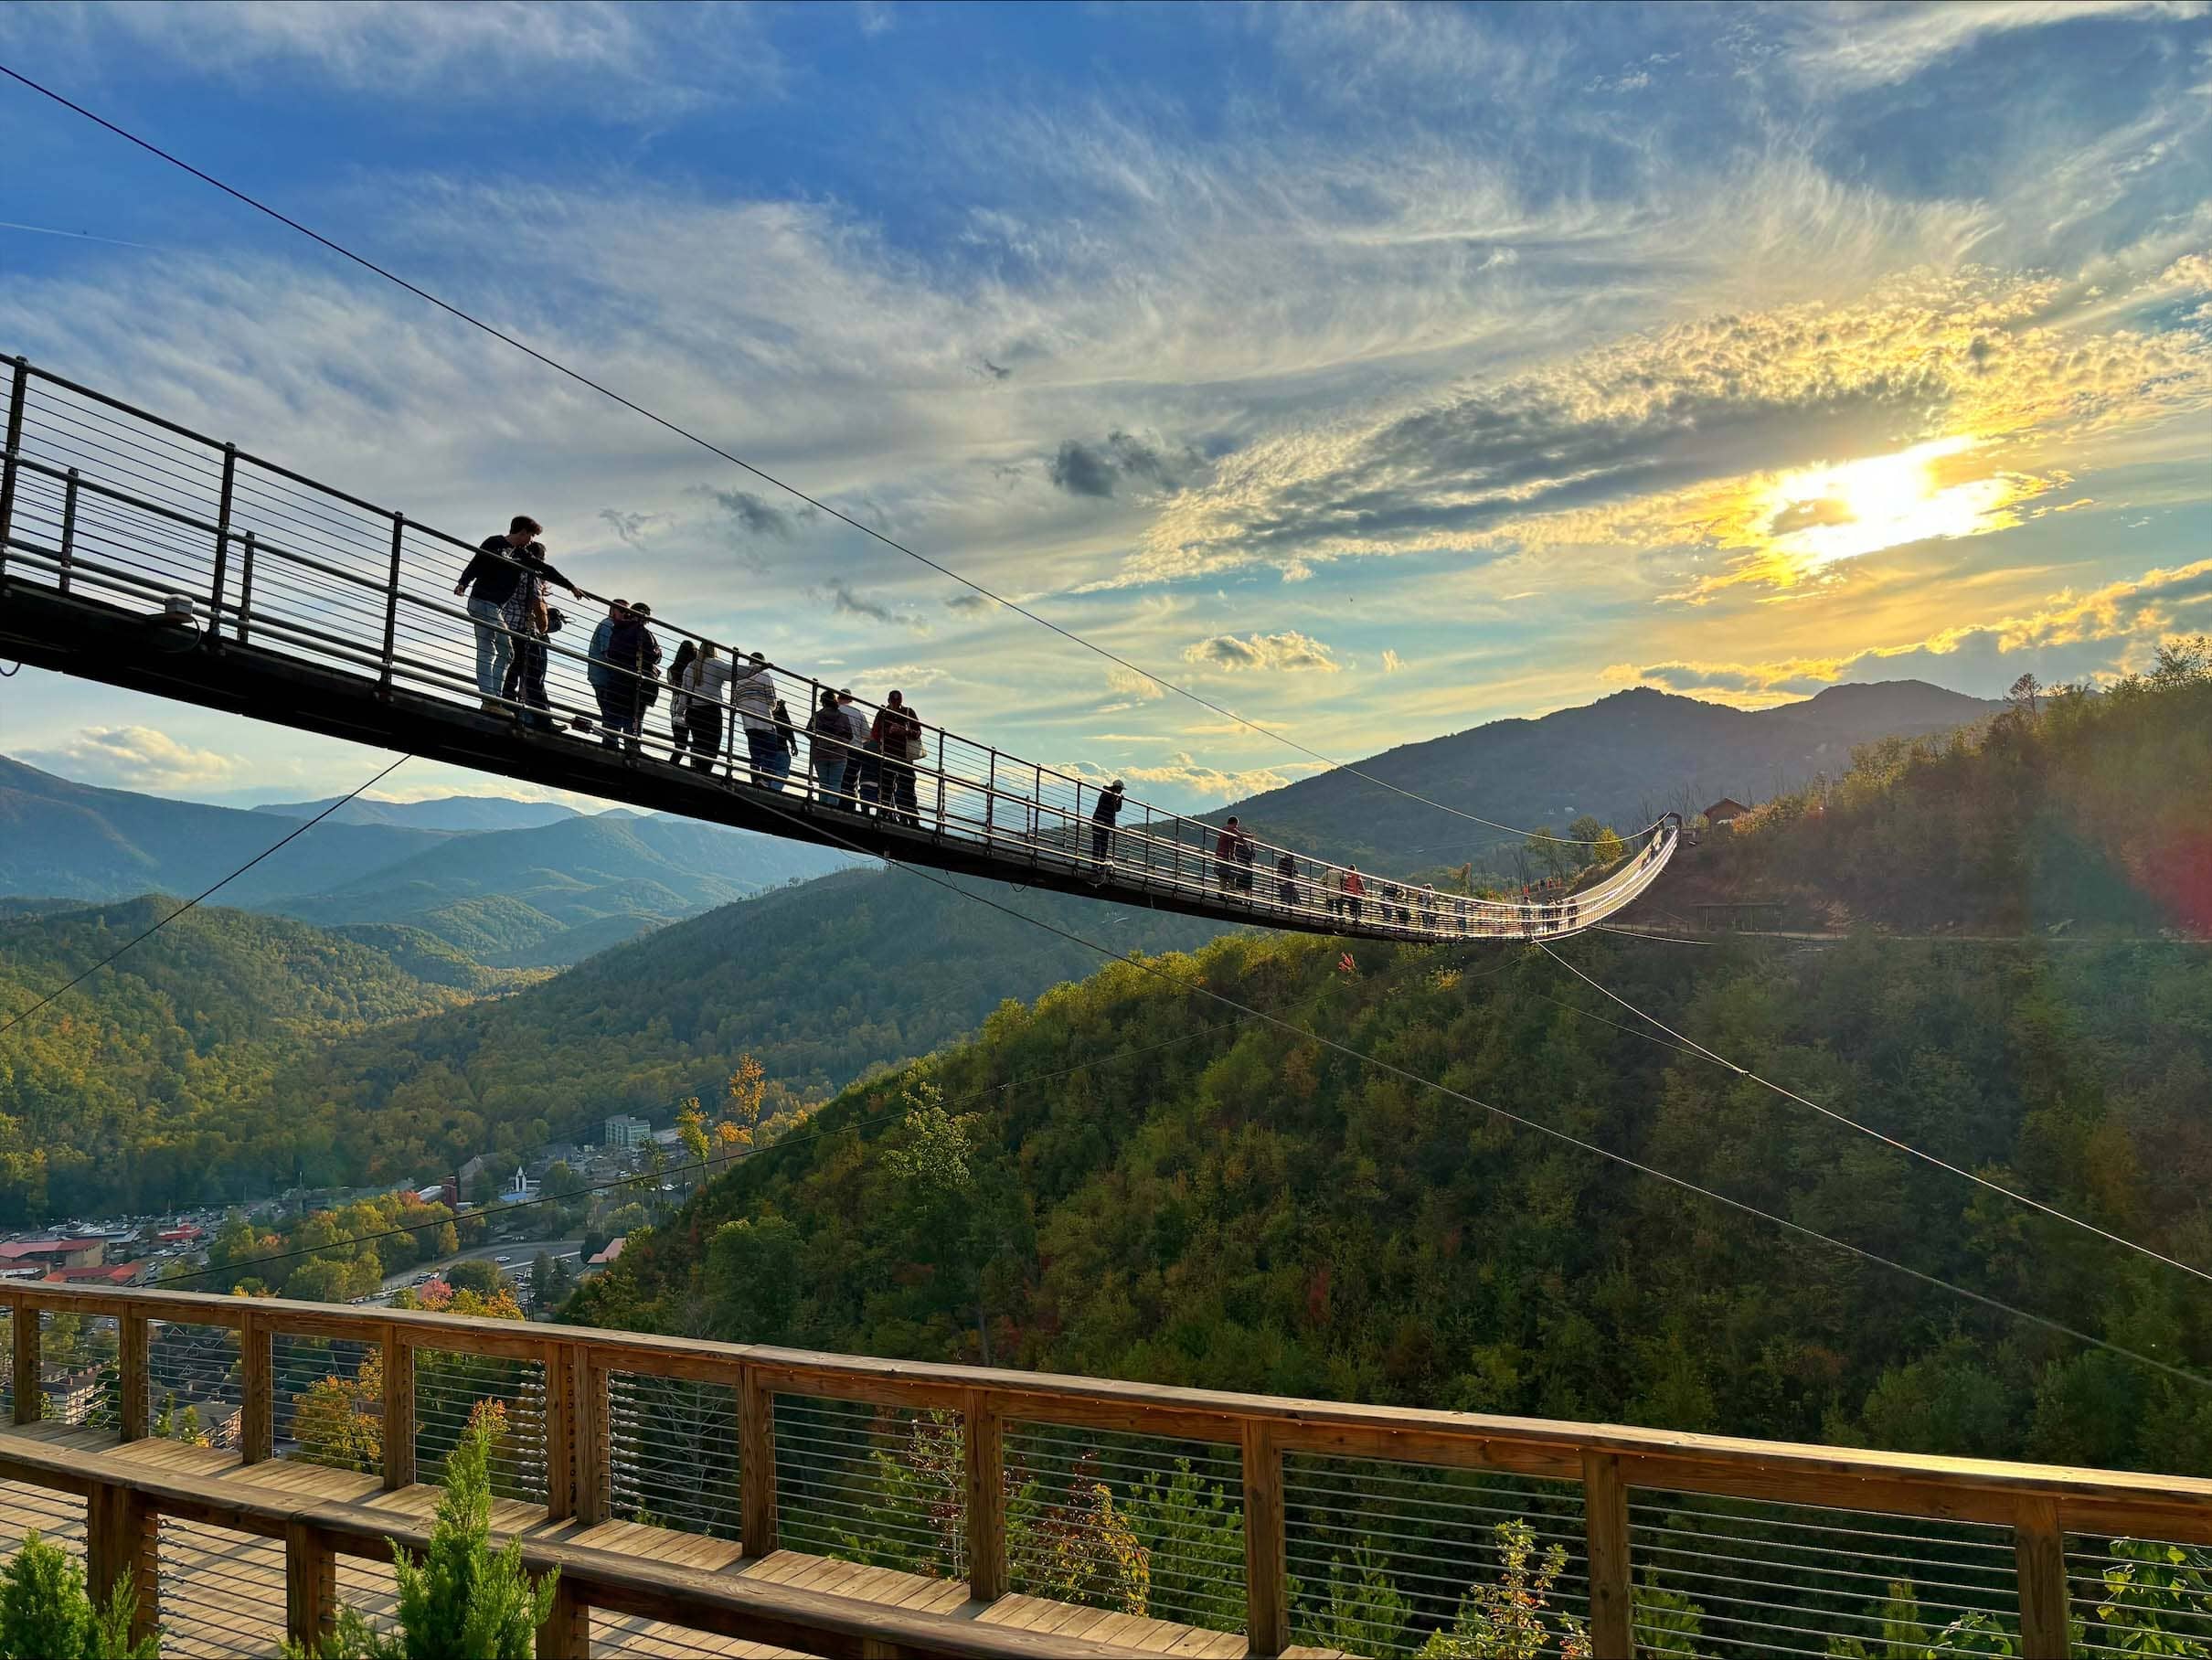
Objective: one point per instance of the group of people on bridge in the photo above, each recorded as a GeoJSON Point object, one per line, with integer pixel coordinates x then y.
{"type": "Point", "coordinates": [860, 762]}
{"type": "Point", "coordinates": [867, 764]}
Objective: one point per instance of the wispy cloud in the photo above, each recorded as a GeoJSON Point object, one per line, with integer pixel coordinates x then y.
{"type": "Point", "coordinates": [1847, 46]}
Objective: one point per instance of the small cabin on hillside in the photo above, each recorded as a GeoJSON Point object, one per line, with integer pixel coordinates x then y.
{"type": "Point", "coordinates": [1724, 812]}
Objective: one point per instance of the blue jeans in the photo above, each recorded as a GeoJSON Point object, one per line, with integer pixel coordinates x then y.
{"type": "Point", "coordinates": [494, 645]}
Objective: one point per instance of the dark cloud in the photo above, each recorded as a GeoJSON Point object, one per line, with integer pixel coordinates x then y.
{"type": "Point", "coordinates": [630, 528]}
{"type": "Point", "coordinates": [1289, 651]}
{"type": "Point", "coordinates": [1101, 468]}
{"type": "Point", "coordinates": [968, 602]}
{"type": "Point", "coordinates": [754, 513]}
{"type": "Point", "coordinates": [842, 600]}
{"type": "Point", "coordinates": [996, 372]}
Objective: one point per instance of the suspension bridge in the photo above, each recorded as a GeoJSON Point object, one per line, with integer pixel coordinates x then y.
{"type": "Point", "coordinates": [138, 552]}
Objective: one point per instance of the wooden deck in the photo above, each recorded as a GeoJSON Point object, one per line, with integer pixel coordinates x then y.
{"type": "Point", "coordinates": [222, 1592]}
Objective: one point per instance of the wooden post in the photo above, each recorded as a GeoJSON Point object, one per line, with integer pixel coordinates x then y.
{"type": "Point", "coordinates": [1605, 1529]}
{"type": "Point", "coordinates": [133, 1369]}
{"type": "Point", "coordinates": [560, 1433]}
{"type": "Point", "coordinates": [593, 1475]}
{"type": "Point", "coordinates": [311, 1586]}
{"type": "Point", "coordinates": [984, 1446]}
{"type": "Point", "coordinates": [1267, 1614]}
{"type": "Point", "coordinates": [257, 1413]}
{"type": "Point", "coordinates": [30, 1379]}
{"type": "Point", "coordinates": [2039, 1554]}
{"type": "Point", "coordinates": [567, 1632]}
{"type": "Point", "coordinates": [756, 1464]}
{"type": "Point", "coordinates": [398, 1410]}
{"type": "Point", "coordinates": [119, 1550]}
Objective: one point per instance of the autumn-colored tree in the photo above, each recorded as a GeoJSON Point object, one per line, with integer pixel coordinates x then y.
{"type": "Point", "coordinates": [339, 1421]}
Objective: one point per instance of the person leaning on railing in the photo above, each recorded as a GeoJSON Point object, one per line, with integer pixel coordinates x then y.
{"type": "Point", "coordinates": [609, 686]}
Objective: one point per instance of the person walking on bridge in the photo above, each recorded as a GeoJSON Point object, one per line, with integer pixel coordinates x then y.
{"type": "Point", "coordinates": [635, 656]}
{"type": "Point", "coordinates": [1354, 891]}
{"type": "Point", "coordinates": [1225, 855]}
{"type": "Point", "coordinates": [752, 693]}
{"type": "Point", "coordinates": [705, 684]}
{"type": "Point", "coordinates": [858, 759]}
{"type": "Point", "coordinates": [827, 748]}
{"type": "Point", "coordinates": [607, 682]}
{"type": "Point", "coordinates": [1102, 815]}
{"type": "Point", "coordinates": [897, 739]}
{"type": "Point", "coordinates": [679, 736]}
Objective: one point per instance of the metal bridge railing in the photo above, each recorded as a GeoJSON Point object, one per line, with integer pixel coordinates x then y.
{"type": "Point", "coordinates": [106, 501]}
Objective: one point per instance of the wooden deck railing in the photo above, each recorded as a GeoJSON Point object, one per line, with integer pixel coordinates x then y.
{"type": "Point", "coordinates": [777, 1440]}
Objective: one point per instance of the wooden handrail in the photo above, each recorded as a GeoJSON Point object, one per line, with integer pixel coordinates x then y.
{"type": "Point", "coordinates": [2039, 1504]}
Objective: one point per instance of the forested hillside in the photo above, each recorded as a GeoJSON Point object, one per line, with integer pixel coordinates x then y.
{"type": "Point", "coordinates": [1118, 1184]}
{"type": "Point", "coordinates": [822, 983]}
{"type": "Point", "coordinates": [150, 1082]}
{"type": "Point", "coordinates": [231, 1047]}
{"type": "Point", "coordinates": [2075, 811]}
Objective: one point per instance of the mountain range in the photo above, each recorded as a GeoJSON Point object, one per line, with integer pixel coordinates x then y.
{"type": "Point", "coordinates": [530, 895]}
{"type": "Point", "coordinates": [1625, 758]}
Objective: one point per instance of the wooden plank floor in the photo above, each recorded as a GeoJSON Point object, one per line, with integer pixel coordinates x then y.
{"type": "Point", "coordinates": [222, 1593]}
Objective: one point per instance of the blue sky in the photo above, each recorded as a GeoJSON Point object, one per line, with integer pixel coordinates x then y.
{"type": "Point", "coordinates": [1376, 370]}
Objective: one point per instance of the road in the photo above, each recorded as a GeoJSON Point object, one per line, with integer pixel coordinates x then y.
{"type": "Point", "coordinates": [519, 1254]}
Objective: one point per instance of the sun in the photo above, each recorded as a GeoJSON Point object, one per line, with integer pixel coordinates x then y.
{"type": "Point", "coordinates": [1817, 515]}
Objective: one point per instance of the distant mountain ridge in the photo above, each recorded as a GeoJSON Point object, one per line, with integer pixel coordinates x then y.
{"type": "Point", "coordinates": [1624, 758]}
{"type": "Point", "coordinates": [531, 897]}
{"type": "Point", "coordinates": [448, 813]}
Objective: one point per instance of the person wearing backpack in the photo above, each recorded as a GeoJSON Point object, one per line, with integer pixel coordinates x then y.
{"type": "Point", "coordinates": [828, 747]}
{"type": "Point", "coordinates": [635, 656]}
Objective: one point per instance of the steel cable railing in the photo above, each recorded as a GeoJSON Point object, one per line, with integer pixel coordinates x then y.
{"type": "Point", "coordinates": [118, 504]}
{"type": "Point", "coordinates": [671, 1453]}
{"type": "Point", "coordinates": [1381, 1555]}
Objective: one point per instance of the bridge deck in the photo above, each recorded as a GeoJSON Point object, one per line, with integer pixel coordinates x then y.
{"type": "Point", "coordinates": [304, 606]}
{"type": "Point", "coordinates": [222, 1592]}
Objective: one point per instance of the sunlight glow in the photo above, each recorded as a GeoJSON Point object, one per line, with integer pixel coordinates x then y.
{"type": "Point", "coordinates": [1825, 514]}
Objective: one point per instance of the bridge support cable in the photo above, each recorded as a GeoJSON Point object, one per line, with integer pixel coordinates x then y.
{"type": "Point", "coordinates": [319, 610]}
{"type": "Point", "coordinates": [1692, 1047]}
{"type": "Point", "coordinates": [866, 529]}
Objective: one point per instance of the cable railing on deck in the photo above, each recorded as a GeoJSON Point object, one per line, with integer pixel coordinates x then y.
{"type": "Point", "coordinates": [690, 1487]}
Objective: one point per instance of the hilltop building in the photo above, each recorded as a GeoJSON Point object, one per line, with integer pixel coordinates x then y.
{"type": "Point", "coordinates": [1724, 812]}
{"type": "Point", "coordinates": [625, 1130]}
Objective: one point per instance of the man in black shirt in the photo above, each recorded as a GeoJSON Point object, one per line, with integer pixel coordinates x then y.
{"type": "Point", "coordinates": [495, 574]}
{"type": "Point", "coordinates": [1109, 808]}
